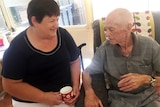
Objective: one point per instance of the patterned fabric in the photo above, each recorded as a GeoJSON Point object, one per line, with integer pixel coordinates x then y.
{"type": "Point", "coordinates": [142, 23]}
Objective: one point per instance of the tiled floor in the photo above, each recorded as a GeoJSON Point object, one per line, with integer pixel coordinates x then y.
{"type": "Point", "coordinates": [6, 101]}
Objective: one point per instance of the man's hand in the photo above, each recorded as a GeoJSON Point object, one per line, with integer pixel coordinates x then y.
{"type": "Point", "coordinates": [132, 81]}
{"type": "Point", "coordinates": [91, 100]}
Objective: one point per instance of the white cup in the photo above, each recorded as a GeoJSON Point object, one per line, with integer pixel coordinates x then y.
{"type": "Point", "coordinates": [66, 92]}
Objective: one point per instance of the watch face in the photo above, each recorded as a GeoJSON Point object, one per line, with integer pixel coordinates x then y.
{"type": "Point", "coordinates": [153, 81]}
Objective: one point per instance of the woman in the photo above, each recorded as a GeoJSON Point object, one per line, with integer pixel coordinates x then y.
{"type": "Point", "coordinates": [41, 60]}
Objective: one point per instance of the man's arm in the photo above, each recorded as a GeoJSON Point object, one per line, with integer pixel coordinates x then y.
{"type": "Point", "coordinates": [90, 97]}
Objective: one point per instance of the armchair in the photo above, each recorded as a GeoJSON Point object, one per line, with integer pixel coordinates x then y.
{"type": "Point", "coordinates": [145, 23]}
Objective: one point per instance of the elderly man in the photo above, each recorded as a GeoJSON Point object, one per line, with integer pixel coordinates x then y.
{"type": "Point", "coordinates": [131, 63]}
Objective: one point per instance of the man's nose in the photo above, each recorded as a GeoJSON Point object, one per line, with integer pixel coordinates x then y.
{"type": "Point", "coordinates": [106, 33]}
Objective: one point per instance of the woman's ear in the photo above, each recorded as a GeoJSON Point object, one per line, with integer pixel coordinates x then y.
{"type": "Point", "coordinates": [34, 21]}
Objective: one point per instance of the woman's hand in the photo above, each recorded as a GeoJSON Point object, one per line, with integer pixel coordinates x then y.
{"type": "Point", "coordinates": [52, 98]}
{"type": "Point", "coordinates": [75, 93]}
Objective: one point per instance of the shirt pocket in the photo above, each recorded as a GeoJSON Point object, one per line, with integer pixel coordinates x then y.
{"type": "Point", "coordinates": [145, 69]}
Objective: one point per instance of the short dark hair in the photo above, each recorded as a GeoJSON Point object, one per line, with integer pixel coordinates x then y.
{"type": "Point", "coordinates": [41, 8]}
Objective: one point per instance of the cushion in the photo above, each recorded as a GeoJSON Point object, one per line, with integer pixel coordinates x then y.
{"type": "Point", "coordinates": [143, 23]}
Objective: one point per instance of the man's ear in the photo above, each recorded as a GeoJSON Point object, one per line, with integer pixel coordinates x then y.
{"type": "Point", "coordinates": [130, 25]}
{"type": "Point", "coordinates": [34, 21]}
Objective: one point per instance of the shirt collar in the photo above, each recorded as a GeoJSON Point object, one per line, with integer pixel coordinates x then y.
{"type": "Point", "coordinates": [136, 47]}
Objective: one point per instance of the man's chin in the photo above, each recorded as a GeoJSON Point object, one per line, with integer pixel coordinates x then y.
{"type": "Point", "coordinates": [113, 43]}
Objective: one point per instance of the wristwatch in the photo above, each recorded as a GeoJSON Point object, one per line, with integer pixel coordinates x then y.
{"type": "Point", "coordinates": [153, 81]}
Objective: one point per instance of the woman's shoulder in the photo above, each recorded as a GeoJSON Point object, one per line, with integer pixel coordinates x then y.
{"type": "Point", "coordinates": [19, 37]}
{"type": "Point", "coordinates": [61, 29]}
{"type": "Point", "coordinates": [18, 41]}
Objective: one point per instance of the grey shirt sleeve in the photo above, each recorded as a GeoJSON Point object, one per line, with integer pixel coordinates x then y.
{"type": "Point", "coordinates": [97, 64]}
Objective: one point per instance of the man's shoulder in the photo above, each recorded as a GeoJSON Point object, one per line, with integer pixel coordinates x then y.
{"type": "Point", "coordinates": [144, 38]}
{"type": "Point", "coordinates": [105, 44]}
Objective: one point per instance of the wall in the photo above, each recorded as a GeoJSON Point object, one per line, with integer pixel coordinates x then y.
{"type": "Point", "coordinates": [84, 36]}
{"type": "Point", "coordinates": [101, 9]}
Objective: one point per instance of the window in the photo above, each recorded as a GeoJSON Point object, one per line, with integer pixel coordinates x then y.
{"type": "Point", "coordinates": [16, 10]}
{"type": "Point", "coordinates": [19, 15]}
{"type": "Point", "coordinates": [3, 26]}
{"type": "Point", "coordinates": [72, 12]}
{"type": "Point", "coordinates": [101, 9]}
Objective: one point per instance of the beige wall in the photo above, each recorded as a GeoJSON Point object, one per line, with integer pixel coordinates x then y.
{"type": "Point", "coordinates": [84, 36]}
